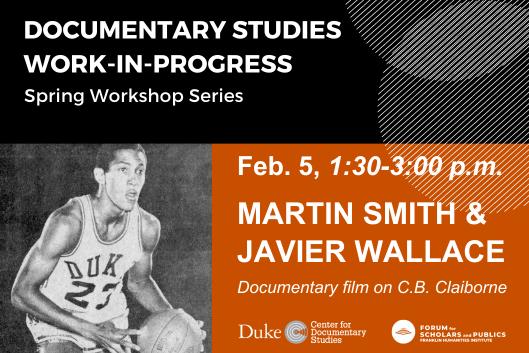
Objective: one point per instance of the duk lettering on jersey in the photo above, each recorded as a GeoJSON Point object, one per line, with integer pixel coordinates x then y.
{"type": "Point", "coordinates": [93, 271]}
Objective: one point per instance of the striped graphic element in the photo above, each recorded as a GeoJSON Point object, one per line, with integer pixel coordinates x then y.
{"type": "Point", "coordinates": [458, 73]}
{"type": "Point", "coordinates": [490, 108]}
{"type": "Point", "coordinates": [382, 24]}
{"type": "Point", "coordinates": [463, 41]}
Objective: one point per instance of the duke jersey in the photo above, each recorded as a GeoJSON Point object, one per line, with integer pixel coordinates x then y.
{"type": "Point", "coordinates": [87, 282]}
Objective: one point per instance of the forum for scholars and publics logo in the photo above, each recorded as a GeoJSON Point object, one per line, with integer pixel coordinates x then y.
{"type": "Point", "coordinates": [403, 331]}
{"type": "Point", "coordinates": [296, 332]}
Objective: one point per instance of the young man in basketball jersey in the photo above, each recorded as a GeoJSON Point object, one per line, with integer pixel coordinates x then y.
{"type": "Point", "coordinates": [70, 281]}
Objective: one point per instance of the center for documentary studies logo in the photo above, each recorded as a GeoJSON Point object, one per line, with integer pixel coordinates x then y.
{"type": "Point", "coordinates": [403, 331]}
{"type": "Point", "coordinates": [296, 332]}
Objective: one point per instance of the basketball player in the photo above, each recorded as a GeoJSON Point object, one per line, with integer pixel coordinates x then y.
{"type": "Point", "coordinates": [70, 281]}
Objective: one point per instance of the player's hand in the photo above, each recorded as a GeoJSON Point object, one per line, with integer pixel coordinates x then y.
{"type": "Point", "coordinates": [203, 337]}
{"type": "Point", "coordinates": [111, 338]}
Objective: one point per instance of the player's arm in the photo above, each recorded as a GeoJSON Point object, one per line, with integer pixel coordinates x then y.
{"type": "Point", "coordinates": [140, 282]}
{"type": "Point", "coordinates": [60, 235]}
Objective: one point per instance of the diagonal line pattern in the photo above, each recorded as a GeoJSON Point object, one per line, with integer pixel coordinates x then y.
{"type": "Point", "coordinates": [457, 79]}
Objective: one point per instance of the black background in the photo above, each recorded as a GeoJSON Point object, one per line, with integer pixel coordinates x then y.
{"type": "Point", "coordinates": [329, 96]}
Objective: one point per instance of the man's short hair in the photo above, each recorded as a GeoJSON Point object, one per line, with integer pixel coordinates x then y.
{"type": "Point", "coordinates": [107, 152]}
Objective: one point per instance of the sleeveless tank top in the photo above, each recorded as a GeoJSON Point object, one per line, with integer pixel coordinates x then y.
{"type": "Point", "coordinates": [88, 281]}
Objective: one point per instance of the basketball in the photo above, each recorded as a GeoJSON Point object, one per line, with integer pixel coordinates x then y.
{"type": "Point", "coordinates": [170, 331]}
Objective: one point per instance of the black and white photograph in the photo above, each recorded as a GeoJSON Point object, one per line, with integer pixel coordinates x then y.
{"type": "Point", "coordinates": [105, 247]}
